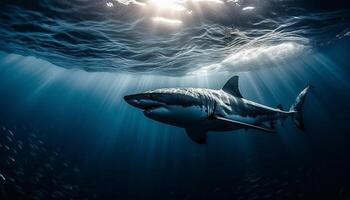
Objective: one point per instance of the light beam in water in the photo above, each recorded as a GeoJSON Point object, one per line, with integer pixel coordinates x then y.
{"type": "Point", "coordinates": [167, 21]}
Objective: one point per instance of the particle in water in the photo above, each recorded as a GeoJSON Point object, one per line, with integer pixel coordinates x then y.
{"type": "Point", "coordinates": [2, 177]}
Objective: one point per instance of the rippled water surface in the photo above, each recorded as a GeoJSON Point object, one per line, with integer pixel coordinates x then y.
{"type": "Point", "coordinates": [222, 35]}
{"type": "Point", "coordinates": [67, 133]}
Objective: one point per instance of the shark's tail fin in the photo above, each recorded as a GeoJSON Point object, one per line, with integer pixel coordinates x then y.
{"type": "Point", "coordinates": [297, 108]}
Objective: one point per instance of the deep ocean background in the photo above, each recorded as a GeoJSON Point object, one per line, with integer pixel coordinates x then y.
{"type": "Point", "coordinates": [68, 134]}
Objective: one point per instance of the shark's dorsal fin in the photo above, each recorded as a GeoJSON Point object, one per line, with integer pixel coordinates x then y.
{"type": "Point", "coordinates": [231, 87]}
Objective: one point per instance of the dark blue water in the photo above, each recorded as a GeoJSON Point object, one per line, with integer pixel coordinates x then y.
{"type": "Point", "coordinates": [66, 132]}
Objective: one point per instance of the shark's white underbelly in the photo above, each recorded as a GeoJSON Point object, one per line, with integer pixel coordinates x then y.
{"type": "Point", "coordinates": [179, 115]}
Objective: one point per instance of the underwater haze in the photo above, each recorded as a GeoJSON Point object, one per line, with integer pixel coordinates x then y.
{"type": "Point", "coordinates": [67, 133]}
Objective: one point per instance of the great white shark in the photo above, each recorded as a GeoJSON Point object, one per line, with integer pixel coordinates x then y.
{"type": "Point", "coordinates": [200, 110]}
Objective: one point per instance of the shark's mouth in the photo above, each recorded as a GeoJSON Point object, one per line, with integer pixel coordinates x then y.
{"type": "Point", "coordinates": [149, 108]}
{"type": "Point", "coordinates": [142, 102]}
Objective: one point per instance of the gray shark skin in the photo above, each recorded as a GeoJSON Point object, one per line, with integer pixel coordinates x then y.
{"type": "Point", "coordinates": [200, 110]}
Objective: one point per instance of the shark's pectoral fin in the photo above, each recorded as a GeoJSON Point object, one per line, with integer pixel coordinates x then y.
{"type": "Point", "coordinates": [279, 106]}
{"type": "Point", "coordinates": [244, 125]}
{"type": "Point", "coordinates": [197, 135]}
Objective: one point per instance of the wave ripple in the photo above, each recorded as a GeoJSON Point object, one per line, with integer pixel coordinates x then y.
{"type": "Point", "coordinates": [94, 35]}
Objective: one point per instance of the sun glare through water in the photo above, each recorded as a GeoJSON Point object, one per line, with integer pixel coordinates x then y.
{"type": "Point", "coordinates": [167, 21]}
{"type": "Point", "coordinates": [173, 5]}
{"type": "Point", "coordinates": [173, 9]}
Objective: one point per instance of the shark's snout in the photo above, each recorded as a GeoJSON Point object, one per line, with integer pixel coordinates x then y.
{"type": "Point", "coordinates": [143, 101]}
{"type": "Point", "coordinates": [130, 99]}
{"type": "Point", "coordinates": [134, 100]}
